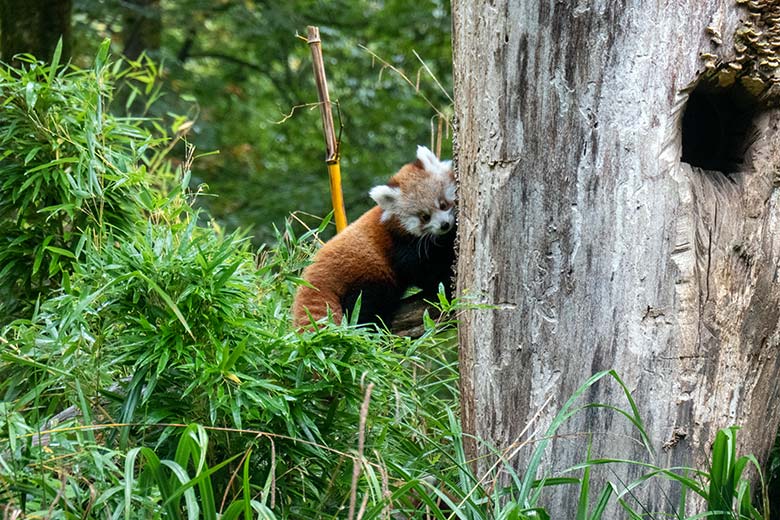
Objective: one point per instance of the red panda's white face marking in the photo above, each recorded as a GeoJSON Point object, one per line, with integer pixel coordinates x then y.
{"type": "Point", "coordinates": [421, 196]}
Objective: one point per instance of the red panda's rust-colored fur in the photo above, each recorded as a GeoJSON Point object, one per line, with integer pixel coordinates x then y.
{"type": "Point", "coordinates": [362, 250]}
{"type": "Point", "coordinates": [389, 248]}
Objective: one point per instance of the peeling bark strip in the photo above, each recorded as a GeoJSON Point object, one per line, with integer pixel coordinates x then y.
{"type": "Point", "coordinates": [601, 248]}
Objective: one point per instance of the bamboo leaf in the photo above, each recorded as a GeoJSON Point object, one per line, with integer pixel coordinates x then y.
{"type": "Point", "coordinates": [55, 61]}
{"type": "Point", "coordinates": [167, 299]}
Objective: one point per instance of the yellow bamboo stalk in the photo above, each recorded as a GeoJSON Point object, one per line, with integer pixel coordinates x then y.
{"type": "Point", "coordinates": [332, 150]}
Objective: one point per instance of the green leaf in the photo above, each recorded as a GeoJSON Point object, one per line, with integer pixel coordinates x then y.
{"type": "Point", "coordinates": [102, 54]}
{"type": "Point", "coordinates": [39, 254]}
{"type": "Point", "coordinates": [31, 95]}
{"type": "Point", "coordinates": [31, 154]}
{"type": "Point", "coordinates": [245, 484]}
{"type": "Point", "coordinates": [167, 299]}
{"type": "Point", "coordinates": [61, 251]}
{"type": "Point", "coordinates": [55, 61]}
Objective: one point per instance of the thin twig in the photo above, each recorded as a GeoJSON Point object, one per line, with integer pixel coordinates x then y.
{"type": "Point", "coordinates": [233, 477]}
{"type": "Point", "coordinates": [443, 120]}
{"type": "Point", "coordinates": [105, 426]}
{"type": "Point", "coordinates": [435, 79]}
{"type": "Point", "coordinates": [92, 498]}
{"type": "Point", "coordinates": [11, 513]}
{"type": "Point", "coordinates": [294, 216]}
{"type": "Point", "coordinates": [361, 445]}
{"type": "Point", "coordinates": [60, 492]}
{"type": "Point", "coordinates": [388, 65]}
{"type": "Point", "coordinates": [386, 494]}
{"type": "Point", "coordinates": [363, 505]}
{"type": "Point", "coordinates": [289, 115]}
{"type": "Point", "coordinates": [438, 138]}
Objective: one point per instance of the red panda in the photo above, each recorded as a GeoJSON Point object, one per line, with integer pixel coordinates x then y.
{"type": "Point", "coordinates": [406, 240]}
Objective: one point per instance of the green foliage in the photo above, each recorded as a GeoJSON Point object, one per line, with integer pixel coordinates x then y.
{"type": "Point", "coordinates": [159, 320]}
{"type": "Point", "coordinates": [501, 492]}
{"type": "Point", "coordinates": [69, 171]}
{"type": "Point", "coordinates": [729, 493]}
{"type": "Point", "coordinates": [246, 71]}
{"type": "Point", "coordinates": [168, 490]}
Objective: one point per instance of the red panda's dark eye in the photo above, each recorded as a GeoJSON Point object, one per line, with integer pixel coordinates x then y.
{"type": "Point", "coordinates": [444, 205]}
{"type": "Point", "coordinates": [425, 218]}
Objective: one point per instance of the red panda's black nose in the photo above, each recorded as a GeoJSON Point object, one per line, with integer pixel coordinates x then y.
{"type": "Point", "coordinates": [444, 226]}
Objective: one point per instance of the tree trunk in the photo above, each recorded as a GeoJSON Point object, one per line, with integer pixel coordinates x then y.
{"type": "Point", "coordinates": [142, 27]}
{"type": "Point", "coordinates": [618, 209]}
{"type": "Point", "coordinates": [35, 27]}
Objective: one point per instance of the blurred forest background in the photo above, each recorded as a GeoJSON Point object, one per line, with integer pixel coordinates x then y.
{"type": "Point", "coordinates": [238, 69]}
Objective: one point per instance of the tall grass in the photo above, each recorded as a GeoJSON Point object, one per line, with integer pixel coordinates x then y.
{"type": "Point", "coordinates": [148, 367]}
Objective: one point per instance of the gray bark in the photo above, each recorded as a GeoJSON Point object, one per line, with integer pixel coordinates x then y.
{"type": "Point", "coordinates": [599, 248]}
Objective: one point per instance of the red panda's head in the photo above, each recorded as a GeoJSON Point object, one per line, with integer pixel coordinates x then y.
{"type": "Point", "coordinates": [420, 197]}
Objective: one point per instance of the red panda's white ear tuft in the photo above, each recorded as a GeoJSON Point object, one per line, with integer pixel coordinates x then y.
{"type": "Point", "coordinates": [431, 163]}
{"type": "Point", "coordinates": [385, 196]}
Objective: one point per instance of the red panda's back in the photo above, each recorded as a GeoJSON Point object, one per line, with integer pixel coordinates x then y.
{"type": "Point", "coordinates": [358, 256]}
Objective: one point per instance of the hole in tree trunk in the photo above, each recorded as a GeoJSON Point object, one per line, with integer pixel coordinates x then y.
{"type": "Point", "coordinates": [717, 126]}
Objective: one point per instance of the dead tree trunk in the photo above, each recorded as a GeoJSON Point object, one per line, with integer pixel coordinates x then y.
{"type": "Point", "coordinates": [618, 208]}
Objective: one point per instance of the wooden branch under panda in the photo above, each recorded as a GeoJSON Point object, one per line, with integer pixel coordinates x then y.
{"type": "Point", "coordinates": [408, 321]}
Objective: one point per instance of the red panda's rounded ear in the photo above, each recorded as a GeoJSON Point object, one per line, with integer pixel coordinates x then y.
{"type": "Point", "coordinates": [385, 196]}
{"type": "Point", "coordinates": [431, 163]}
